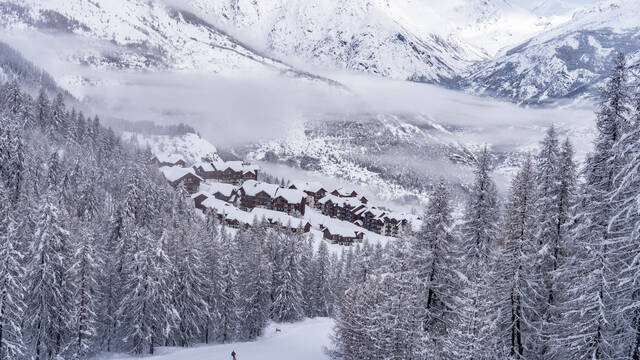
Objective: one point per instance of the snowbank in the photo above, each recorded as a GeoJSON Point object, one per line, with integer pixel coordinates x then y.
{"type": "Point", "coordinates": [301, 340]}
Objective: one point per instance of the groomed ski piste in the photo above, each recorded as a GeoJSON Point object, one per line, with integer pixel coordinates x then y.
{"type": "Point", "coordinates": [296, 341]}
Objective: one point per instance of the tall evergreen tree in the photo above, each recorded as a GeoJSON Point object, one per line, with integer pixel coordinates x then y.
{"type": "Point", "coordinates": [288, 302]}
{"type": "Point", "coordinates": [12, 291]}
{"type": "Point", "coordinates": [590, 311]}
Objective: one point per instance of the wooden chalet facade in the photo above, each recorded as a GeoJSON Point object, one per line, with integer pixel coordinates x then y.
{"type": "Point", "coordinates": [163, 159]}
{"type": "Point", "coordinates": [254, 194]}
{"type": "Point", "coordinates": [314, 191]}
{"type": "Point", "coordinates": [341, 236]}
{"type": "Point", "coordinates": [340, 208]}
{"type": "Point", "coordinates": [234, 172]}
{"type": "Point", "coordinates": [290, 201]}
{"type": "Point", "coordinates": [176, 175]}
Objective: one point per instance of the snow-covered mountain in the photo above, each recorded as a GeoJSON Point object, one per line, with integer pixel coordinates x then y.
{"type": "Point", "coordinates": [138, 35]}
{"type": "Point", "coordinates": [567, 61]}
{"type": "Point", "coordinates": [402, 39]}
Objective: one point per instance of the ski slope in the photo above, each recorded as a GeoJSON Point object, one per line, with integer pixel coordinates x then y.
{"type": "Point", "coordinates": [301, 340]}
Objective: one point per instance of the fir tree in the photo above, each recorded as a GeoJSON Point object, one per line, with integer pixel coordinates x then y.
{"type": "Point", "coordinates": [12, 291]}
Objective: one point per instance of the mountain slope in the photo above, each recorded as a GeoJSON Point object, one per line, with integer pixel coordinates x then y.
{"type": "Point", "coordinates": [568, 61]}
{"type": "Point", "coordinates": [138, 35]}
{"type": "Point", "coordinates": [13, 66]}
{"type": "Point", "coordinates": [361, 35]}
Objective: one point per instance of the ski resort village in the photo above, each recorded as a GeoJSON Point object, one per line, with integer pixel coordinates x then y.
{"type": "Point", "coordinates": [231, 191]}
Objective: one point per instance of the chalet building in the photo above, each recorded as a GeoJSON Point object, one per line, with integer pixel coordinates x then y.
{"type": "Point", "coordinates": [393, 224]}
{"type": "Point", "coordinates": [255, 194]}
{"type": "Point", "coordinates": [163, 159]}
{"type": "Point", "coordinates": [199, 198]}
{"type": "Point", "coordinates": [343, 235]}
{"type": "Point", "coordinates": [227, 213]}
{"type": "Point", "coordinates": [290, 201]}
{"type": "Point", "coordinates": [281, 220]}
{"type": "Point", "coordinates": [314, 191]}
{"type": "Point", "coordinates": [187, 176]}
{"type": "Point", "coordinates": [205, 170]}
{"type": "Point", "coordinates": [234, 172]}
{"type": "Point", "coordinates": [340, 208]}
{"type": "Point", "coordinates": [372, 219]}
{"type": "Point", "coordinates": [221, 191]}
{"type": "Point", "coordinates": [344, 193]}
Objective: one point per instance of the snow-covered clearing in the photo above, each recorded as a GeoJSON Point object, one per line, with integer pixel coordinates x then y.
{"type": "Point", "coordinates": [297, 341]}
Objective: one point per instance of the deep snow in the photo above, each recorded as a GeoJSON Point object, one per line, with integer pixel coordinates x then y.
{"type": "Point", "coordinates": [301, 340]}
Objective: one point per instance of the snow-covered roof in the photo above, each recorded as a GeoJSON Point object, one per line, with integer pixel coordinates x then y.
{"type": "Point", "coordinates": [249, 168]}
{"type": "Point", "coordinates": [344, 191]}
{"type": "Point", "coordinates": [278, 217]}
{"type": "Point", "coordinates": [237, 166]}
{"type": "Point", "coordinates": [292, 196]}
{"type": "Point", "coordinates": [342, 228]}
{"type": "Point", "coordinates": [169, 158]}
{"type": "Point", "coordinates": [206, 166]}
{"type": "Point", "coordinates": [252, 188]}
{"type": "Point", "coordinates": [224, 165]}
{"type": "Point", "coordinates": [351, 201]}
{"type": "Point", "coordinates": [206, 194]}
{"type": "Point", "coordinates": [218, 187]}
{"type": "Point", "coordinates": [174, 173]}
{"type": "Point", "coordinates": [227, 210]}
{"type": "Point", "coordinates": [307, 186]}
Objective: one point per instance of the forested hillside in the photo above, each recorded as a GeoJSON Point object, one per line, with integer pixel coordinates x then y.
{"type": "Point", "coordinates": [551, 274]}
{"type": "Point", "coordinates": [98, 253]}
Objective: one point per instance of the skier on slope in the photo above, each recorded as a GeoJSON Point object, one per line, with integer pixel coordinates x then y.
{"type": "Point", "coordinates": [233, 354]}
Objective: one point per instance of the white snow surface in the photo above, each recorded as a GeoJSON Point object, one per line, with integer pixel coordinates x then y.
{"type": "Point", "coordinates": [303, 340]}
{"type": "Point", "coordinates": [190, 146]}
{"type": "Point", "coordinates": [173, 173]}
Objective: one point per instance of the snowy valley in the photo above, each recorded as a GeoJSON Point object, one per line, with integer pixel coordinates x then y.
{"type": "Point", "coordinates": [319, 179]}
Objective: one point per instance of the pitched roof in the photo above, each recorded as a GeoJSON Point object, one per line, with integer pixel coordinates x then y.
{"type": "Point", "coordinates": [344, 191]}
{"type": "Point", "coordinates": [175, 173]}
{"type": "Point", "coordinates": [252, 188]}
{"type": "Point", "coordinates": [278, 217]}
{"type": "Point", "coordinates": [342, 228]}
{"type": "Point", "coordinates": [218, 187]}
{"type": "Point", "coordinates": [206, 166]}
{"type": "Point", "coordinates": [227, 210]}
{"type": "Point", "coordinates": [169, 158]}
{"type": "Point", "coordinates": [308, 186]}
{"type": "Point", "coordinates": [292, 196]}
{"type": "Point", "coordinates": [351, 201]}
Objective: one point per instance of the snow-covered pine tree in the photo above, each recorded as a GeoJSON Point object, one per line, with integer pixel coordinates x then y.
{"type": "Point", "coordinates": [211, 257]}
{"type": "Point", "coordinates": [57, 124]}
{"type": "Point", "coordinates": [547, 234]}
{"type": "Point", "coordinates": [83, 275]}
{"type": "Point", "coordinates": [590, 321]}
{"type": "Point", "coordinates": [306, 269]}
{"type": "Point", "coordinates": [190, 286]}
{"type": "Point", "coordinates": [255, 288]}
{"type": "Point", "coordinates": [288, 303]}
{"type": "Point", "coordinates": [322, 292]}
{"type": "Point", "coordinates": [12, 288]}
{"type": "Point", "coordinates": [12, 156]}
{"type": "Point", "coordinates": [49, 310]}
{"type": "Point", "coordinates": [229, 294]}
{"type": "Point", "coordinates": [42, 109]}
{"type": "Point", "coordinates": [433, 261]}
{"type": "Point", "coordinates": [146, 311]}
{"type": "Point", "coordinates": [399, 328]}
{"type": "Point", "coordinates": [625, 231]}
{"type": "Point", "coordinates": [517, 267]}
{"type": "Point", "coordinates": [473, 331]}
{"type": "Point", "coordinates": [352, 338]}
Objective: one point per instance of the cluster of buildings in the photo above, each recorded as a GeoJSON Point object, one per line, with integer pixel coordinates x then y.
{"type": "Point", "coordinates": [230, 190]}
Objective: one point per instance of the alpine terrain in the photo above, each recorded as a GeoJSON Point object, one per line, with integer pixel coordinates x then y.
{"type": "Point", "coordinates": [319, 179]}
